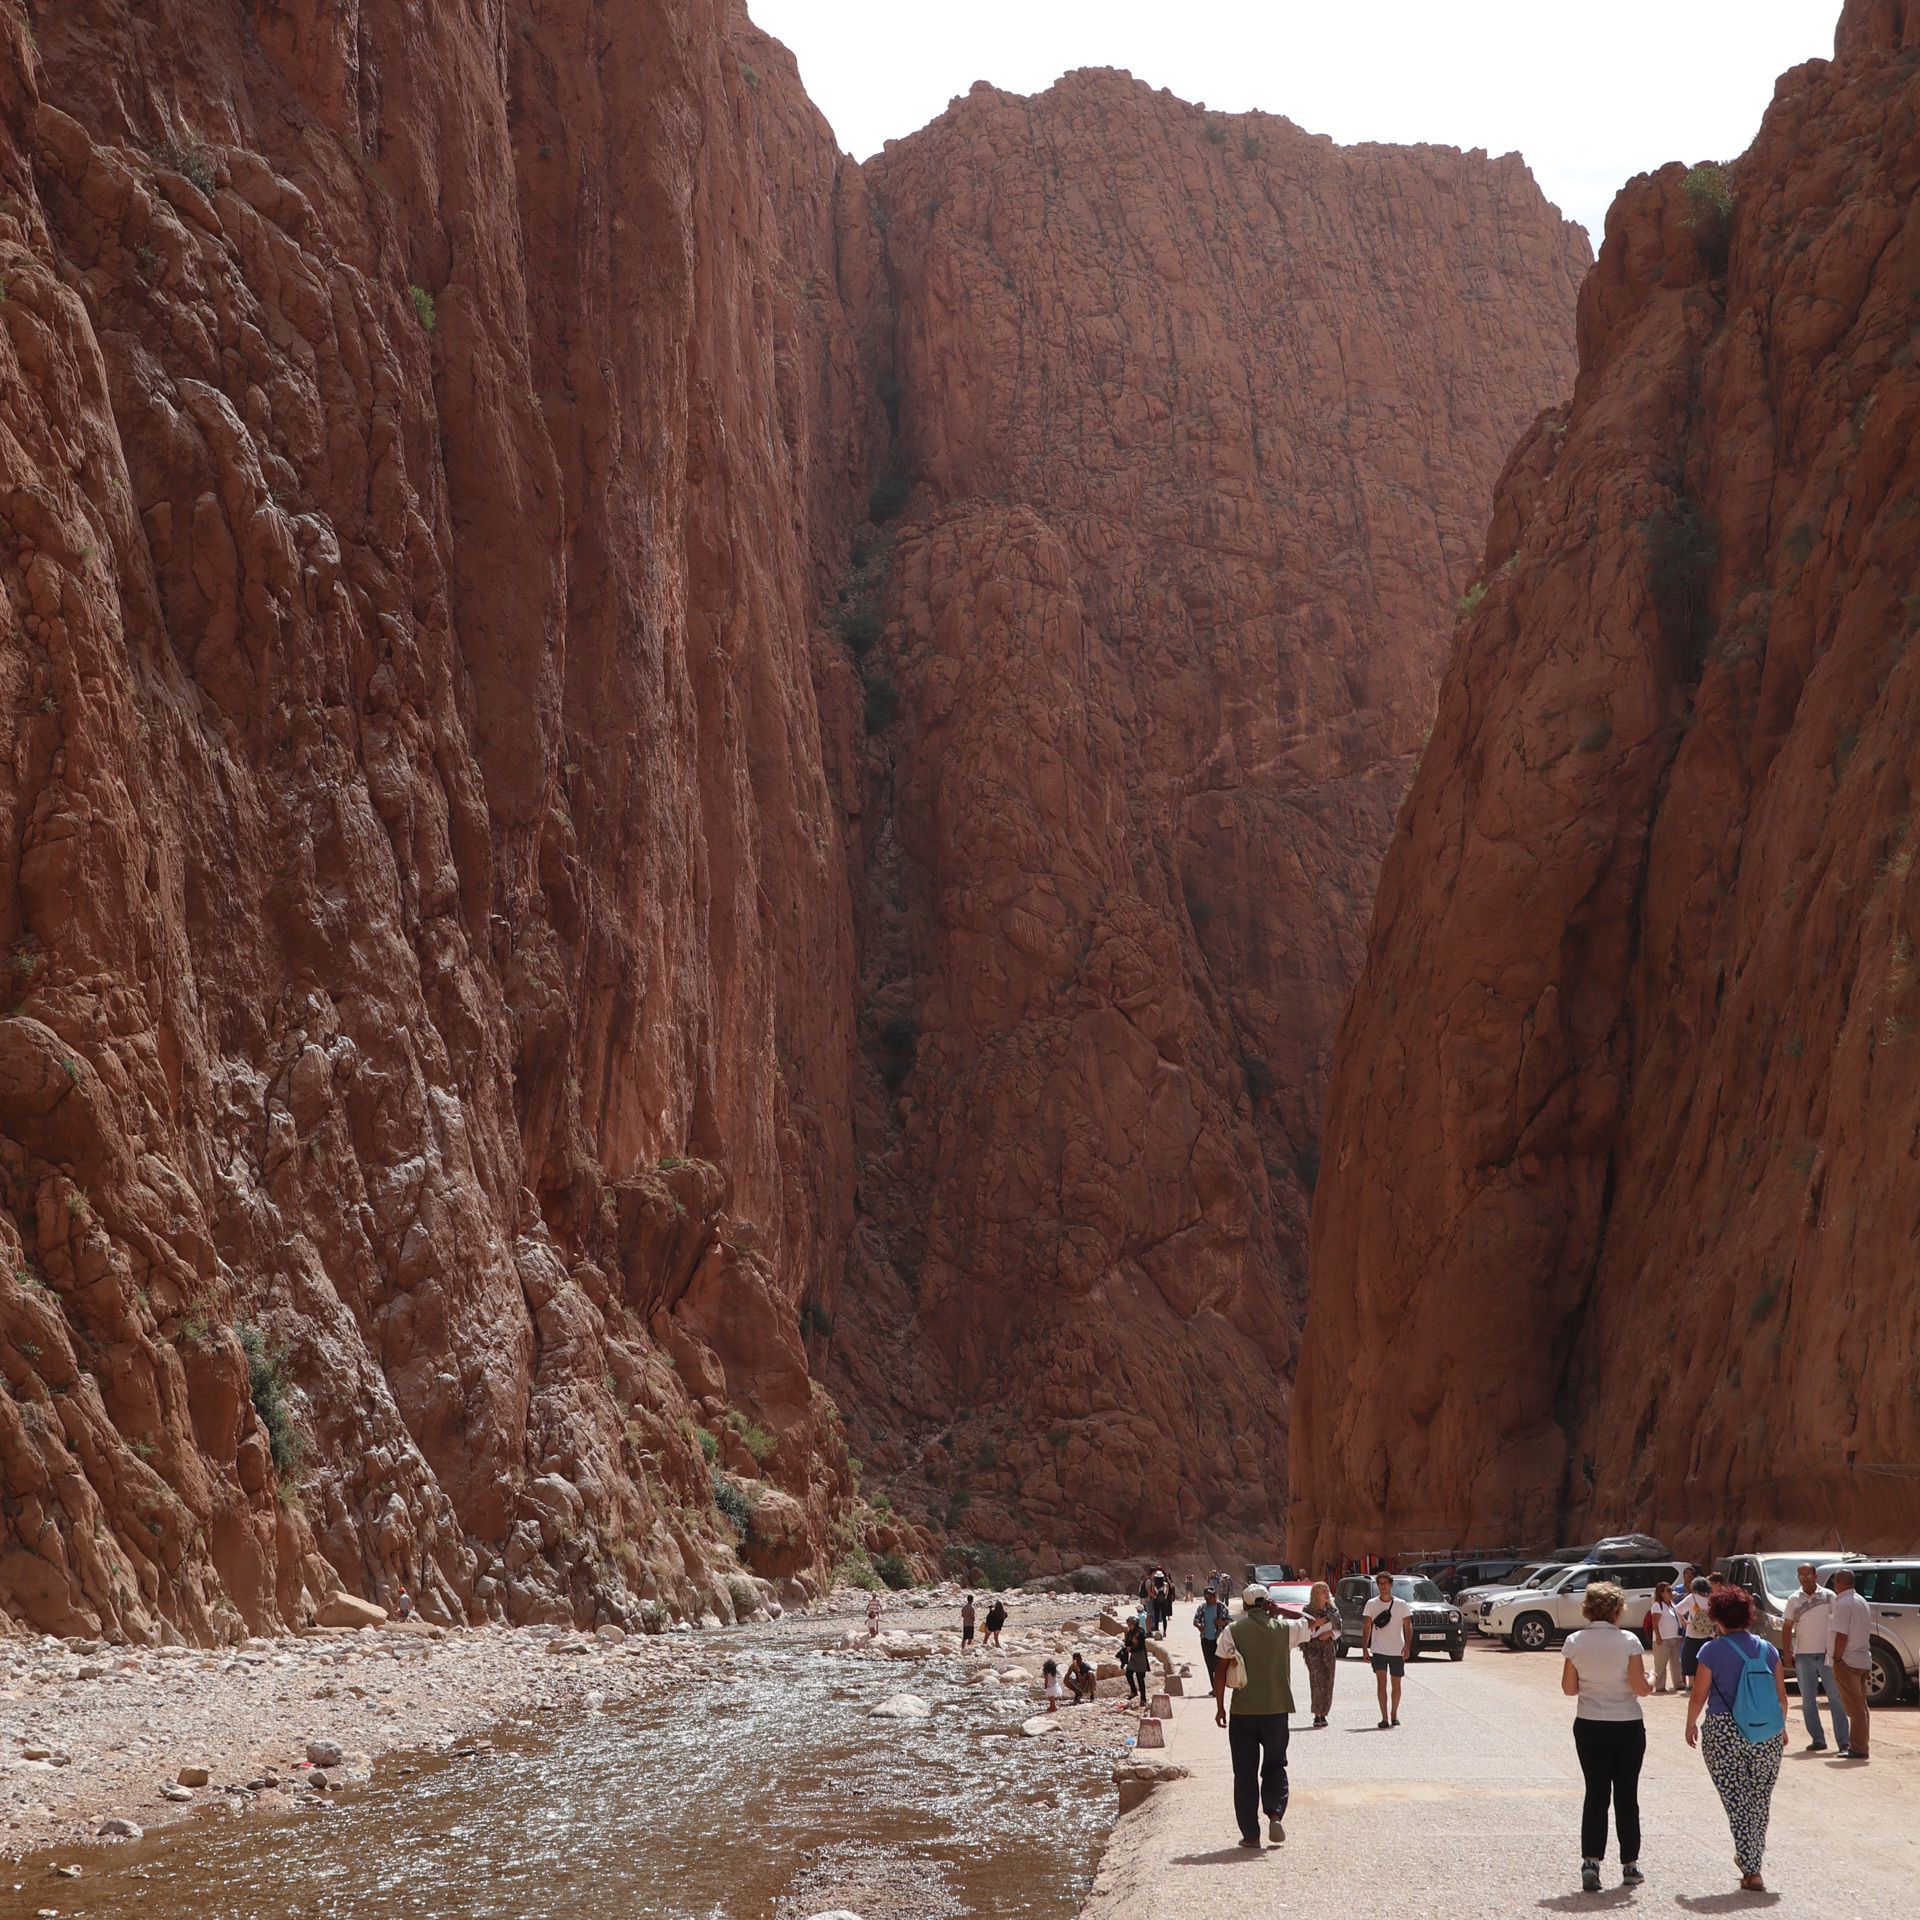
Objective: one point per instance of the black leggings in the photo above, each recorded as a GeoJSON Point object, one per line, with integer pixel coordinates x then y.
{"type": "Point", "coordinates": [1610, 1755]}
{"type": "Point", "coordinates": [1136, 1683]}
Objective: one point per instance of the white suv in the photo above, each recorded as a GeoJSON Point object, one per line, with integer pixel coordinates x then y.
{"type": "Point", "coordinates": [1536, 1616]}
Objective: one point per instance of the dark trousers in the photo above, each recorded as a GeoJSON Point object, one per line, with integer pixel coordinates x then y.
{"type": "Point", "coordinates": [1258, 1743]}
{"type": "Point", "coordinates": [1610, 1755]}
{"type": "Point", "coordinates": [1689, 1658]}
{"type": "Point", "coordinates": [1210, 1653]}
{"type": "Point", "coordinates": [1136, 1683]}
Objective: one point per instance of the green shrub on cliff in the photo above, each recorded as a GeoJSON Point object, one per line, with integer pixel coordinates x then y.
{"type": "Point", "coordinates": [1709, 191]}
{"type": "Point", "coordinates": [267, 1386]}
{"type": "Point", "coordinates": [423, 309]}
{"type": "Point", "coordinates": [893, 1570]}
{"type": "Point", "coordinates": [731, 1502]}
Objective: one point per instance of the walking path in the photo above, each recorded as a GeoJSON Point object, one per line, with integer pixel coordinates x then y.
{"type": "Point", "coordinates": [1472, 1807]}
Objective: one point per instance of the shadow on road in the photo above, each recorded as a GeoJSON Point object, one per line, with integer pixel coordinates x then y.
{"type": "Point", "coordinates": [1588, 1902]}
{"type": "Point", "coordinates": [1724, 1902]}
{"type": "Point", "coordinates": [1222, 1857]}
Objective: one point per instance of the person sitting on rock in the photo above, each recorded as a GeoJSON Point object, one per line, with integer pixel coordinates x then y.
{"type": "Point", "coordinates": [1081, 1680]}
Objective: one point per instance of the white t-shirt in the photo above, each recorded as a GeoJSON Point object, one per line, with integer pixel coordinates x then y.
{"type": "Point", "coordinates": [1390, 1636]}
{"type": "Point", "coordinates": [1600, 1655]}
{"type": "Point", "coordinates": [1666, 1622]}
{"type": "Point", "coordinates": [1811, 1617]}
{"type": "Point", "coordinates": [1696, 1623]}
{"type": "Point", "coordinates": [1853, 1617]}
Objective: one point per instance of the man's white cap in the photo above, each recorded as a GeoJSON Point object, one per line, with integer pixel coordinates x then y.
{"type": "Point", "coordinates": [1255, 1596]}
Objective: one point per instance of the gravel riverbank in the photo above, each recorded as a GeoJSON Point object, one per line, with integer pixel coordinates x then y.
{"type": "Point", "coordinates": [93, 1735]}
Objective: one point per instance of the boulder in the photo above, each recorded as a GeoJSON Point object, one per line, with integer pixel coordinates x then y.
{"type": "Point", "coordinates": [902, 1706]}
{"type": "Point", "coordinates": [326, 1753]}
{"type": "Point", "coordinates": [342, 1609]}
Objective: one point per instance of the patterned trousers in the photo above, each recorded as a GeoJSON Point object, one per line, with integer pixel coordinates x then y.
{"type": "Point", "coordinates": [1320, 1658]}
{"type": "Point", "coordinates": [1745, 1776]}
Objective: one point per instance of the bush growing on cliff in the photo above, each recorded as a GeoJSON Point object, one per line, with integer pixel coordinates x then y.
{"type": "Point", "coordinates": [190, 158]}
{"type": "Point", "coordinates": [1469, 602]}
{"type": "Point", "coordinates": [756, 1439]}
{"type": "Point", "coordinates": [989, 1567]}
{"type": "Point", "coordinates": [1682, 548]}
{"type": "Point", "coordinates": [814, 1318]}
{"type": "Point", "coordinates": [732, 1504]}
{"type": "Point", "coordinates": [883, 703]}
{"type": "Point", "coordinates": [854, 1569]}
{"type": "Point", "coordinates": [267, 1386]}
{"type": "Point", "coordinates": [423, 309]}
{"type": "Point", "coordinates": [860, 628]}
{"type": "Point", "coordinates": [1709, 191]}
{"type": "Point", "coordinates": [893, 1570]}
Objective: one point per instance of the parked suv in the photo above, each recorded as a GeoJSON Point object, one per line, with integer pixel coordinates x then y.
{"type": "Point", "coordinates": [1475, 1602]}
{"type": "Point", "coordinates": [1455, 1576]}
{"type": "Point", "coordinates": [1891, 1589]}
{"type": "Point", "coordinates": [1435, 1622]}
{"type": "Point", "coordinates": [1536, 1616]}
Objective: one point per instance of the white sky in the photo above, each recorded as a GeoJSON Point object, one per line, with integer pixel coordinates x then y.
{"type": "Point", "coordinates": [1591, 95]}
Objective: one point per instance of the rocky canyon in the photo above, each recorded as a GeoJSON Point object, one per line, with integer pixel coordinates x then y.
{"type": "Point", "coordinates": [1618, 1209]}
{"type": "Point", "coordinates": [683, 824]}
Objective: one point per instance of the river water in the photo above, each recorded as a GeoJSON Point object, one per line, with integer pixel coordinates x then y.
{"type": "Point", "coordinates": [764, 1788]}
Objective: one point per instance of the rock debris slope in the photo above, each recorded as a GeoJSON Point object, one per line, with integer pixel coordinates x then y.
{"type": "Point", "coordinates": [1618, 1209]}
{"type": "Point", "coordinates": [497, 1014]}
{"type": "Point", "coordinates": [1199, 416]}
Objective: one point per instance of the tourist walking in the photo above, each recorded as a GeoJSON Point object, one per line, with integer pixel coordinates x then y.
{"type": "Point", "coordinates": [1210, 1617]}
{"type": "Point", "coordinates": [1739, 1683]}
{"type": "Point", "coordinates": [873, 1616]}
{"type": "Point", "coordinates": [995, 1620]}
{"type": "Point", "coordinates": [1849, 1662]}
{"type": "Point", "coordinates": [1605, 1674]}
{"type": "Point", "coordinates": [1258, 1649]}
{"type": "Point", "coordinates": [966, 1623]}
{"type": "Point", "coordinates": [1384, 1641]}
{"type": "Point", "coordinates": [1806, 1639]}
{"type": "Point", "coordinates": [1662, 1628]}
{"type": "Point", "coordinates": [1322, 1649]}
{"type": "Point", "coordinates": [1696, 1627]}
{"type": "Point", "coordinates": [1133, 1658]}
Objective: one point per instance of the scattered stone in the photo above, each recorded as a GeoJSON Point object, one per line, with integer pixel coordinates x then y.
{"type": "Point", "coordinates": [346, 1610]}
{"type": "Point", "coordinates": [117, 1827]}
{"type": "Point", "coordinates": [326, 1753]}
{"type": "Point", "coordinates": [902, 1706]}
{"type": "Point", "coordinates": [318, 1780]}
{"type": "Point", "coordinates": [193, 1776]}
{"type": "Point", "coordinates": [170, 1791]}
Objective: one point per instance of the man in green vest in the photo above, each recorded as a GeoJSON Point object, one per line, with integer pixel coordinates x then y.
{"type": "Point", "coordinates": [1257, 1726]}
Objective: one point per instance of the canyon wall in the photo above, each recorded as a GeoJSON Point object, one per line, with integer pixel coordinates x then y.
{"type": "Point", "coordinates": [543, 947]}
{"type": "Point", "coordinates": [1618, 1208]}
{"type": "Point", "coordinates": [427, 438]}
{"type": "Point", "coordinates": [1195, 420]}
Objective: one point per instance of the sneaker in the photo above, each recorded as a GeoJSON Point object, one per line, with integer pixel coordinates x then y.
{"type": "Point", "coordinates": [1250, 1840]}
{"type": "Point", "coordinates": [1590, 1876]}
{"type": "Point", "coordinates": [1844, 1753]}
{"type": "Point", "coordinates": [1275, 1831]}
{"type": "Point", "coordinates": [1630, 1874]}
{"type": "Point", "coordinates": [1814, 1746]}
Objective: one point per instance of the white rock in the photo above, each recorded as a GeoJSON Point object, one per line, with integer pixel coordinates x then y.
{"type": "Point", "coordinates": [171, 1792]}
{"type": "Point", "coordinates": [117, 1828]}
{"type": "Point", "coordinates": [837, 1913]}
{"type": "Point", "coordinates": [902, 1706]}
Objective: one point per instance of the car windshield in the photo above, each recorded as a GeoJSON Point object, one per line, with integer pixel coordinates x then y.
{"type": "Point", "coordinates": [1781, 1572]}
{"type": "Point", "coordinates": [1292, 1593]}
{"type": "Point", "coordinates": [1270, 1575]}
{"type": "Point", "coordinates": [1544, 1575]}
{"type": "Point", "coordinates": [1423, 1591]}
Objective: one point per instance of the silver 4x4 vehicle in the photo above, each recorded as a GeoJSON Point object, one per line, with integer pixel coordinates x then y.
{"type": "Point", "coordinates": [1891, 1589]}
{"type": "Point", "coordinates": [1773, 1579]}
{"type": "Point", "coordinates": [1536, 1616]}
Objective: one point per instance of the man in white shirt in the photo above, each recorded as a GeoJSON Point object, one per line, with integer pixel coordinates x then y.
{"type": "Point", "coordinates": [1804, 1640]}
{"type": "Point", "coordinates": [1852, 1654]}
{"type": "Point", "coordinates": [1385, 1639]}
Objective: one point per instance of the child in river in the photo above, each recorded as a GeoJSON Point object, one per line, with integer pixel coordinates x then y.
{"type": "Point", "coordinates": [1050, 1684]}
{"type": "Point", "coordinates": [873, 1616]}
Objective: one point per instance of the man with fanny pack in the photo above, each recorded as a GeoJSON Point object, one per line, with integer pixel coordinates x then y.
{"type": "Point", "coordinates": [1388, 1632]}
{"type": "Point", "coordinates": [1256, 1664]}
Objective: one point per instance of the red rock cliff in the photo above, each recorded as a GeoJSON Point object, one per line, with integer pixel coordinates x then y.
{"type": "Point", "coordinates": [1617, 1216]}
{"type": "Point", "coordinates": [427, 939]}
{"type": "Point", "coordinates": [1198, 415]}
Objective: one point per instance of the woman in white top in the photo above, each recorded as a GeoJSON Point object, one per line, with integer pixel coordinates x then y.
{"type": "Point", "coordinates": [1605, 1674]}
{"type": "Point", "coordinates": [1662, 1626]}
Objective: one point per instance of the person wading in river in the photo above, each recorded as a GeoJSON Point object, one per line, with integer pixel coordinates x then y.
{"type": "Point", "coordinates": [1256, 1666]}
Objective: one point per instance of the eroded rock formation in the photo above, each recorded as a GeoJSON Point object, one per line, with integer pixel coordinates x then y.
{"type": "Point", "coordinates": [1617, 1211]}
{"type": "Point", "coordinates": [496, 1011]}
{"type": "Point", "coordinates": [1198, 413]}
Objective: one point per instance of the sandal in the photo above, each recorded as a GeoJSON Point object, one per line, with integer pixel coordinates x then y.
{"type": "Point", "coordinates": [1752, 1883]}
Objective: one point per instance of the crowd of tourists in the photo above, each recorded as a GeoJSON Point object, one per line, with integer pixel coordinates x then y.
{"type": "Point", "coordinates": [1701, 1644]}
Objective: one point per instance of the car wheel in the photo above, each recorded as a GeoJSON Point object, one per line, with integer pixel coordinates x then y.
{"type": "Point", "coordinates": [1531, 1632]}
{"type": "Point", "coordinates": [1413, 1653]}
{"type": "Point", "coordinates": [1886, 1677]}
{"type": "Point", "coordinates": [1457, 1652]}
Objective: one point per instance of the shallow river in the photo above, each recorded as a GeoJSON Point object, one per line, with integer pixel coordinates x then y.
{"type": "Point", "coordinates": [764, 1788]}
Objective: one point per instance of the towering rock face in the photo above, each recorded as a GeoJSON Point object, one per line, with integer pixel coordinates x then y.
{"type": "Point", "coordinates": [1198, 416]}
{"type": "Point", "coordinates": [427, 936]}
{"type": "Point", "coordinates": [1617, 1212]}
{"type": "Point", "coordinates": [497, 1015]}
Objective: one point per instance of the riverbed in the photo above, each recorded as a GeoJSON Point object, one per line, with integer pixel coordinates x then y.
{"type": "Point", "coordinates": [759, 1787]}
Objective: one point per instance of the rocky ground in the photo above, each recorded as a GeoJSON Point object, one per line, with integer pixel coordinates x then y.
{"type": "Point", "coordinates": [97, 1740]}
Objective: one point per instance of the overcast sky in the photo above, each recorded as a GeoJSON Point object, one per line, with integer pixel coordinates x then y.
{"type": "Point", "coordinates": [1591, 95]}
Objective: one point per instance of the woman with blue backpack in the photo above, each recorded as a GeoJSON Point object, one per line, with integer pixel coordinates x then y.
{"type": "Point", "coordinates": [1743, 1693]}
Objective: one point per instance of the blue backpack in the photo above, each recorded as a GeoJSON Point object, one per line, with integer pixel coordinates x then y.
{"type": "Point", "coordinates": [1756, 1700]}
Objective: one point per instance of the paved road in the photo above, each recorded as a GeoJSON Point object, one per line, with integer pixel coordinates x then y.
{"type": "Point", "coordinates": [1472, 1807]}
